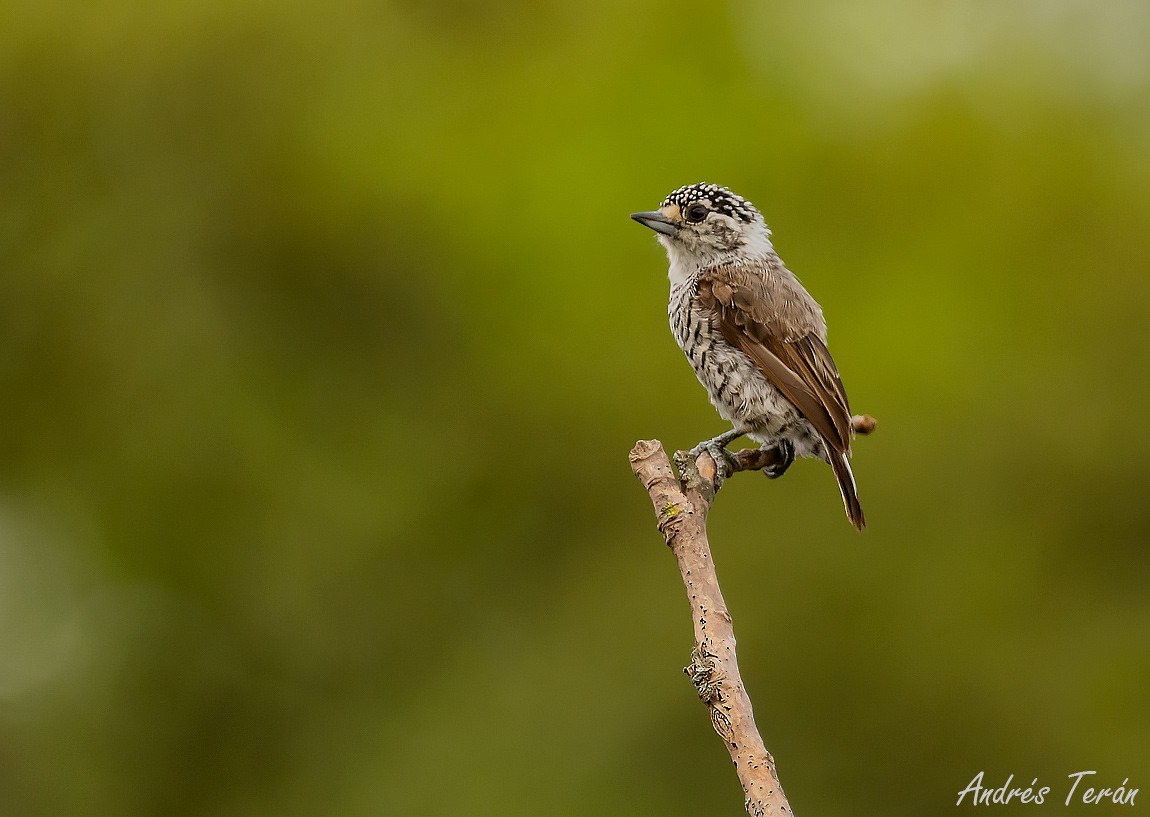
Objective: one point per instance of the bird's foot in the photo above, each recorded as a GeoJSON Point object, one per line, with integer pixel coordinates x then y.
{"type": "Point", "coordinates": [717, 448]}
{"type": "Point", "coordinates": [784, 451]}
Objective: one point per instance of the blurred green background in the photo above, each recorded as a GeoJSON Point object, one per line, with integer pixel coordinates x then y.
{"type": "Point", "coordinates": [324, 336]}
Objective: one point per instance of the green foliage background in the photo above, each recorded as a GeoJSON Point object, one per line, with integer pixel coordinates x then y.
{"type": "Point", "coordinates": [324, 336]}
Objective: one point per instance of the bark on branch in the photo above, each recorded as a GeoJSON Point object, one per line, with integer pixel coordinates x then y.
{"type": "Point", "coordinates": [681, 507]}
{"type": "Point", "coordinates": [681, 504]}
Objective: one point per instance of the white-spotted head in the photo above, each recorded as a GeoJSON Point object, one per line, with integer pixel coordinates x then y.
{"type": "Point", "coordinates": [704, 224]}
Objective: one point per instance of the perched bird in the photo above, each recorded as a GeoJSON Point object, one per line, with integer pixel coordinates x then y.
{"type": "Point", "coordinates": [755, 338]}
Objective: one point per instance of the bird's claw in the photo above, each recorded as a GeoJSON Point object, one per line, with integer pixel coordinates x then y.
{"type": "Point", "coordinates": [785, 453]}
{"type": "Point", "coordinates": [724, 460]}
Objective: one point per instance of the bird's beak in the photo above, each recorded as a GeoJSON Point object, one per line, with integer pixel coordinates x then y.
{"type": "Point", "coordinates": [656, 221]}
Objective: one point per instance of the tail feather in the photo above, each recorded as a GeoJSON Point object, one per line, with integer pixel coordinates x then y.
{"type": "Point", "coordinates": [846, 479]}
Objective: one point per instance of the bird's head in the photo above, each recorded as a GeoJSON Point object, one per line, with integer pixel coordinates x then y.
{"type": "Point", "coordinates": [703, 224]}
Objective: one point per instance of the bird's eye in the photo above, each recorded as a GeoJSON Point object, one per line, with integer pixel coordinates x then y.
{"type": "Point", "coordinates": [696, 213]}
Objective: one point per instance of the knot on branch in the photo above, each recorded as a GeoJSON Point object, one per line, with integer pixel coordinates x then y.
{"type": "Point", "coordinates": [698, 473]}
{"type": "Point", "coordinates": [704, 674]}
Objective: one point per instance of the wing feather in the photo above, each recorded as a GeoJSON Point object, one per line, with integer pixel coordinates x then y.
{"type": "Point", "coordinates": [780, 328]}
{"type": "Point", "coordinates": [782, 335]}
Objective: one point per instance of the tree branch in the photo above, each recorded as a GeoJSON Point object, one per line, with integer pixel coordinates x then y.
{"type": "Point", "coordinates": [681, 512]}
{"type": "Point", "coordinates": [681, 505]}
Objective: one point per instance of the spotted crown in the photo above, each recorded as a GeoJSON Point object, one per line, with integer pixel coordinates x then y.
{"type": "Point", "coordinates": [721, 200]}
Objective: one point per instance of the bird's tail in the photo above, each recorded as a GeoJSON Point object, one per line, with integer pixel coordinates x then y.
{"type": "Point", "coordinates": [846, 479]}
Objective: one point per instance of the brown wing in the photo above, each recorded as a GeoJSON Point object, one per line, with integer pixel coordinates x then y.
{"type": "Point", "coordinates": [779, 326]}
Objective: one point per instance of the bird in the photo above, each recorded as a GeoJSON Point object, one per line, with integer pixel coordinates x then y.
{"type": "Point", "coordinates": [755, 337]}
